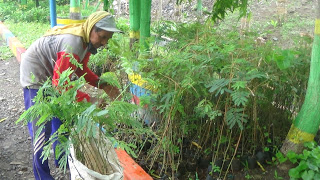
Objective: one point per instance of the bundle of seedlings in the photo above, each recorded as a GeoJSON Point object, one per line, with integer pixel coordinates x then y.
{"type": "Point", "coordinates": [94, 158]}
{"type": "Point", "coordinates": [85, 130]}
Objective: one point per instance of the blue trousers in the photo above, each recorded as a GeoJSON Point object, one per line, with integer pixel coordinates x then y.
{"type": "Point", "coordinates": [41, 170]}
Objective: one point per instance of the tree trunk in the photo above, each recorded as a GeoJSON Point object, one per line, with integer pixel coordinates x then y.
{"type": "Point", "coordinates": [75, 12]}
{"type": "Point", "coordinates": [134, 11]}
{"type": "Point", "coordinates": [307, 122]}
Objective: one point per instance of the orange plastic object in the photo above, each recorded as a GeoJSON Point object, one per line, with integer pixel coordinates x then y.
{"type": "Point", "coordinates": [131, 170]}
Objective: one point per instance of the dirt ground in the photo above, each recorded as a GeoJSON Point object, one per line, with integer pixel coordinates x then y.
{"type": "Point", "coordinates": [15, 149]}
{"type": "Point", "coordinates": [15, 144]}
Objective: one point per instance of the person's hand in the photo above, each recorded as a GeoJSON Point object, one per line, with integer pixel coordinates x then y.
{"type": "Point", "coordinates": [100, 102]}
{"type": "Point", "coordinates": [112, 91]}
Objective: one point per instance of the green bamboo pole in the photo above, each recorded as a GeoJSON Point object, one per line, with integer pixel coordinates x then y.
{"type": "Point", "coordinates": [306, 124]}
{"type": "Point", "coordinates": [37, 3]}
{"type": "Point", "coordinates": [199, 7]}
{"type": "Point", "coordinates": [145, 24]}
{"type": "Point", "coordinates": [23, 2]}
{"type": "Point", "coordinates": [97, 6]}
{"type": "Point", "coordinates": [106, 5]}
{"type": "Point", "coordinates": [135, 13]}
{"type": "Point", "coordinates": [86, 4]}
{"type": "Point", "coordinates": [75, 11]}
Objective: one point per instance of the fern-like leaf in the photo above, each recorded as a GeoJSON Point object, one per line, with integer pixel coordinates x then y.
{"type": "Point", "coordinates": [110, 78]}
{"type": "Point", "coordinates": [217, 84]}
{"type": "Point", "coordinates": [240, 97]}
{"type": "Point", "coordinates": [236, 116]}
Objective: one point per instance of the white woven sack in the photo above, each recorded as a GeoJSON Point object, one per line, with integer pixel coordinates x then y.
{"type": "Point", "coordinates": [81, 172]}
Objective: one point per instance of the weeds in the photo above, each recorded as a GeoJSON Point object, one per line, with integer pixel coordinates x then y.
{"type": "Point", "coordinates": [5, 52]}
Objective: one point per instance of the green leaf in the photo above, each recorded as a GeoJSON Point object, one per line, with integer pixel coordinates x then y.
{"type": "Point", "coordinates": [317, 175]}
{"type": "Point", "coordinates": [144, 100]}
{"type": "Point", "coordinates": [281, 158]}
{"type": "Point", "coordinates": [102, 113]}
{"type": "Point", "coordinates": [110, 78]}
{"type": "Point", "coordinates": [284, 58]}
{"type": "Point", "coordinates": [302, 166]}
{"type": "Point", "coordinates": [74, 61]}
{"type": "Point", "coordinates": [294, 173]}
{"type": "Point", "coordinates": [236, 116]}
{"type": "Point", "coordinates": [312, 165]}
{"type": "Point", "coordinates": [240, 97]}
{"type": "Point", "coordinates": [310, 145]}
{"type": "Point", "coordinates": [217, 84]}
{"type": "Point", "coordinates": [306, 154]}
{"type": "Point", "coordinates": [292, 156]}
{"type": "Point", "coordinates": [269, 140]}
{"type": "Point", "coordinates": [239, 84]}
{"type": "Point", "coordinates": [307, 175]}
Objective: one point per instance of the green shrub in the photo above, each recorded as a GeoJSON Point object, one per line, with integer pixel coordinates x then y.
{"type": "Point", "coordinates": [208, 84]}
{"type": "Point", "coordinates": [308, 163]}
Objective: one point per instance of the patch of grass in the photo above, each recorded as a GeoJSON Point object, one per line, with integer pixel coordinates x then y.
{"type": "Point", "coordinates": [64, 11]}
{"type": "Point", "coordinates": [27, 32]}
{"type": "Point", "coordinates": [295, 25]}
{"type": "Point", "coordinates": [5, 53]}
{"type": "Point", "coordinates": [30, 13]}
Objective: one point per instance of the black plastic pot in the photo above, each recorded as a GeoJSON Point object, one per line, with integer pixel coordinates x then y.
{"type": "Point", "coordinates": [218, 162]}
{"type": "Point", "coordinates": [252, 162]}
{"type": "Point", "coordinates": [203, 162]}
{"type": "Point", "coordinates": [191, 166]}
{"type": "Point", "coordinates": [226, 164]}
{"type": "Point", "coordinates": [261, 157]}
{"type": "Point", "coordinates": [209, 177]}
{"type": "Point", "coordinates": [236, 165]}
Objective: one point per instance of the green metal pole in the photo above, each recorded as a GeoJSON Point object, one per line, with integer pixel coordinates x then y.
{"type": "Point", "coordinates": [306, 124]}
{"type": "Point", "coordinates": [145, 24]}
{"type": "Point", "coordinates": [75, 11]}
{"type": "Point", "coordinates": [135, 13]}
